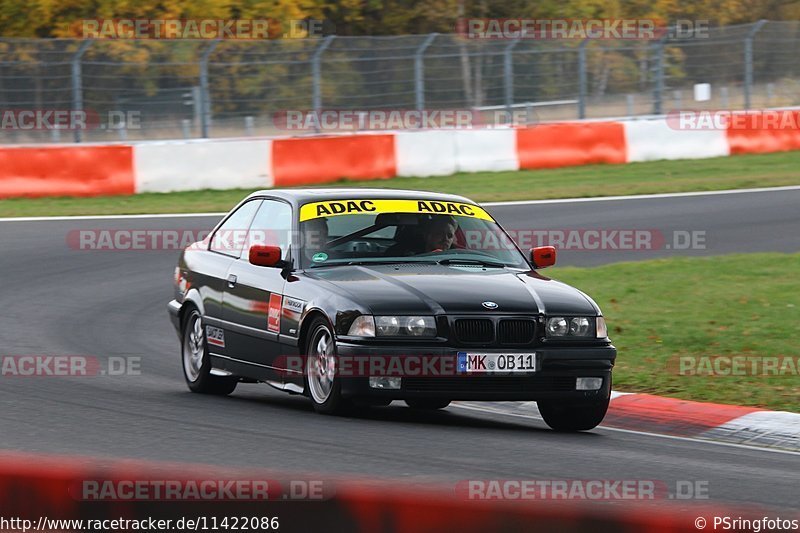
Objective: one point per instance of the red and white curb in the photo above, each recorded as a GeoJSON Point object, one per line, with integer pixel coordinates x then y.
{"type": "Point", "coordinates": [647, 413]}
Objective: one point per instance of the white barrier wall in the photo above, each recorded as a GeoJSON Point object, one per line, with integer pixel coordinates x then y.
{"type": "Point", "coordinates": [486, 150]}
{"type": "Point", "coordinates": [193, 165]}
{"type": "Point", "coordinates": [651, 140]}
{"type": "Point", "coordinates": [444, 152]}
{"type": "Point", "coordinates": [425, 153]}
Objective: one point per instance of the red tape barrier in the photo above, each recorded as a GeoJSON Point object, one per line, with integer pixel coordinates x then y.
{"type": "Point", "coordinates": [34, 486]}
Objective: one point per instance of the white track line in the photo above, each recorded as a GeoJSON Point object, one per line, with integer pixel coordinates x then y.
{"type": "Point", "coordinates": [488, 204]}
{"type": "Point", "coordinates": [633, 432]}
{"type": "Point", "coordinates": [645, 196]}
{"type": "Point", "coordinates": [104, 217]}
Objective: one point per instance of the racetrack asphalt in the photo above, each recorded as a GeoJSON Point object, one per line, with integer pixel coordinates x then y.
{"type": "Point", "coordinates": [57, 300]}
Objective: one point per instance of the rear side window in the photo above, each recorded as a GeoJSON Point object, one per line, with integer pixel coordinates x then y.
{"type": "Point", "coordinates": [230, 237]}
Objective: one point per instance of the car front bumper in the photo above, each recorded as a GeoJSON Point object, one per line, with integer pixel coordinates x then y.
{"type": "Point", "coordinates": [559, 368]}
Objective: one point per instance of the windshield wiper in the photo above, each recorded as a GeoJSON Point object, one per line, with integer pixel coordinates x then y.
{"type": "Point", "coordinates": [358, 262]}
{"type": "Point", "coordinates": [368, 262]}
{"type": "Point", "coordinates": [482, 262]}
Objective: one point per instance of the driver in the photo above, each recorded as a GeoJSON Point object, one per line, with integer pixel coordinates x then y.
{"type": "Point", "coordinates": [439, 233]}
{"type": "Point", "coordinates": [315, 236]}
{"type": "Point", "coordinates": [433, 234]}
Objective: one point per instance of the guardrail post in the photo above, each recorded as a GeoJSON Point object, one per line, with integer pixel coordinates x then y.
{"type": "Point", "coordinates": [185, 128]}
{"type": "Point", "coordinates": [77, 85]}
{"type": "Point", "coordinates": [419, 72]}
{"type": "Point", "coordinates": [508, 75]}
{"type": "Point", "coordinates": [582, 79]}
{"type": "Point", "coordinates": [658, 88]}
{"type": "Point", "coordinates": [316, 77]}
{"type": "Point", "coordinates": [205, 95]}
{"type": "Point", "coordinates": [748, 61]}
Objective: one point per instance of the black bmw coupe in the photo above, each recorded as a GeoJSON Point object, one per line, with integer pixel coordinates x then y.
{"type": "Point", "coordinates": [370, 295]}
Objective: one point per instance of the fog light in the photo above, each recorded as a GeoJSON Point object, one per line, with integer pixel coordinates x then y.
{"type": "Point", "coordinates": [588, 383]}
{"type": "Point", "coordinates": [382, 382]}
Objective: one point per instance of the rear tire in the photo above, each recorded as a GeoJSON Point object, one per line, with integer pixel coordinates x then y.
{"type": "Point", "coordinates": [196, 361]}
{"type": "Point", "coordinates": [427, 403]}
{"type": "Point", "coordinates": [323, 383]}
{"type": "Point", "coordinates": [579, 415]}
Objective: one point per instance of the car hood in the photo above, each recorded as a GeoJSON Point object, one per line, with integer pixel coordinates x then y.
{"type": "Point", "coordinates": [452, 289]}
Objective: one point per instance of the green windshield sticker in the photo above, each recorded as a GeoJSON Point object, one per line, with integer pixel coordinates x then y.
{"type": "Point", "coordinates": [320, 257]}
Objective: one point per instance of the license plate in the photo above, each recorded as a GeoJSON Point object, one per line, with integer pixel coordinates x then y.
{"type": "Point", "coordinates": [497, 363]}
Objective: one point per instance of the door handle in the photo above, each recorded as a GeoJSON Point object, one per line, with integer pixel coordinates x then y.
{"type": "Point", "coordinates": [232, 281]}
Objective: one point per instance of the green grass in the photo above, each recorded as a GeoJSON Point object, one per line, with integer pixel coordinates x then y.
{"type": "Point", "coordinates": [660, 310]}
{"type": "Point", "coordinates": [736, 172]}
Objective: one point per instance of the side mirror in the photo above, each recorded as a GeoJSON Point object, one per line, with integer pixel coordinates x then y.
{"type": "Point", "coordinates": [543, 256]}
{"type": "Point", "coordinates": [263, 255]}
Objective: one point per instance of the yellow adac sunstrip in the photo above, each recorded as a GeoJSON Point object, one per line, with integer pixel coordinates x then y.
{"type": "Point", "coordinates": [368, 206]}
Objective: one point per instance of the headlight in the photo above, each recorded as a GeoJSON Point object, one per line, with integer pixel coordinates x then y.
{"type": "Point", "coordinates": [421, 326]}
{"type": "Point", "coordinates": [363, 326]}
{"type": "Point", "coordinates": [602, 329]}
{"type": "Point", "coordinates": [556, 326]}
{"type": "Point", "coordinates": [387, 325]}
{"type": "Point", "coordinates": [579, 326]}
{"type": "Point", "coordinates": [404, 326]}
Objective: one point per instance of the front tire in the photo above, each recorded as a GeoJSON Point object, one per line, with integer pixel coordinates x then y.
{"type": "Point", "coordinates": [581, 415]}
{"type": "Point", "coordinates": [323, 383]}
{"type": "Point", "coordinates": [427, 403]}
{"type": "Point", "coordinates": [196, 361]}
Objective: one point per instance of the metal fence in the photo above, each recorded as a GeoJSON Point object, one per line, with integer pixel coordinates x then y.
{"type": "Point", "coordinates": [194, 89]}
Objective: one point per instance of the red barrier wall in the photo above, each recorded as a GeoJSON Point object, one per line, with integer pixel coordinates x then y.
{"type": "Point", "coordinates": [569, 144]}
{"type": "Point", "coordinates": [315, 160]}
{"type": "Point", "coordinates": [66, 171]}
{"type": "Point", "coordinates": [773, 136]}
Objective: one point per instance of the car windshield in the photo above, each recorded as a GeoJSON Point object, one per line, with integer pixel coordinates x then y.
{"type": "Point", "coordinates": [370, 231]}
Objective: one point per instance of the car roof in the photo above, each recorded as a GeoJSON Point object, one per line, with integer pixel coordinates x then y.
{"type": "Point", "coordinates": [302, 196]}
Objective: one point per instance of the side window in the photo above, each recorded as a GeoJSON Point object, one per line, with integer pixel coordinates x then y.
{"type": "Point", "coordinates": [272, 225]}
{"type": "Point", "coordinates": [229, 238]}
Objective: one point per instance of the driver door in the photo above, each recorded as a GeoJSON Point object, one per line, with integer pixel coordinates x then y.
{"type": "Point", "coordinates": [253, 295]}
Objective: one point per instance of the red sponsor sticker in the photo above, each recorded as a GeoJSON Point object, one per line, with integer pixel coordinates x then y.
{"type": "Point", "coordinates": [274, 313]}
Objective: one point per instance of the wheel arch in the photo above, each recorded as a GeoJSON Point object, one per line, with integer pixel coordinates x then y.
{"type": "Point", "coordinates": [305, 325]}
{"type": "Point", "coordinates": [192, 300]}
